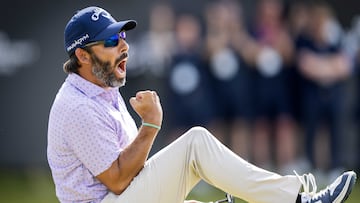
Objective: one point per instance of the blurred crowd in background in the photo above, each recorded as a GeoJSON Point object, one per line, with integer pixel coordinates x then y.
{"type": "Point", "coordinates": [273, 85]}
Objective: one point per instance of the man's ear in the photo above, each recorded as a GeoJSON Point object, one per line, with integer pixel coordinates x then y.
{"type": "Point", "coordinates": [83, 56]}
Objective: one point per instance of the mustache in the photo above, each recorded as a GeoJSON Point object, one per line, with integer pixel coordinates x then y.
{"type": "Point", "coordinates": [121, 57]}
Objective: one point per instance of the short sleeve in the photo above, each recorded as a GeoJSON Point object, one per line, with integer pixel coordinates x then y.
{"type": "Point", "coordinates": [93, 138]}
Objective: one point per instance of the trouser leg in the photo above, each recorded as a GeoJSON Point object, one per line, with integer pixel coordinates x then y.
{"type": "Point", "coordinates": [171, 174]}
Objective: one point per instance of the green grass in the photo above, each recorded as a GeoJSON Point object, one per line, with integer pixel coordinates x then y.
{"type": "Point", "coordinates": [30, 186]}
{"type": "Point", "coordinates": [36, 186]}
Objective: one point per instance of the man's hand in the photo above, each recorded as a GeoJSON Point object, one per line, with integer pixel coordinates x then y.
{"type": "Point", "coordinates": [147, 105]}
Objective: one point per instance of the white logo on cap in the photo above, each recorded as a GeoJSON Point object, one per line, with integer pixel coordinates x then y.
{"type": "Point", "coordinates": [97, 13]}
{"type": "Point", "coordinates": [77, 42]}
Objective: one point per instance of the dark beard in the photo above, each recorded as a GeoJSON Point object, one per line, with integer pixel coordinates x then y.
{"type": "Point", "coordinates": [104, 71]}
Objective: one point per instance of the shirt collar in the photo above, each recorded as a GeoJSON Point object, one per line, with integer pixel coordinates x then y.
{"type": "Point", "coordinates": [89, 88]}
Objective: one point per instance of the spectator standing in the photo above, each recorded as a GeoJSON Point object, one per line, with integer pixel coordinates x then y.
{"type": "Point", "coordinates": [324, 68]}
{"type": "Point", "coordinates": [188, 79]}
{"type": "Point", "coordinates": [272, 56]}
{"type": "Point", "coordinates": [231, 77]}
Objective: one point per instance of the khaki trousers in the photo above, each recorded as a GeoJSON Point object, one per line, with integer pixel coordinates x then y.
{"type": "Point", "coordinates": [170, 174]}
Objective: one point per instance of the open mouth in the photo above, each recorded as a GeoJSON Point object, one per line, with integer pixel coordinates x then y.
{"type": "Point", "coordinates": [121, 67]}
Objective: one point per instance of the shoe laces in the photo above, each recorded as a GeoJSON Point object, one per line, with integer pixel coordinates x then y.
{"type": "Point", "coordinates": [308, 181]}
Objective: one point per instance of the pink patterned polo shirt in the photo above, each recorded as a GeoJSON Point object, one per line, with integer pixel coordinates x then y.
{"type": "Point", "coordinates": [88, 128]}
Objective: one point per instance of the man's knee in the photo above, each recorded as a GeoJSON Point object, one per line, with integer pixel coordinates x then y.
{"type": "Point", "coordinates": [199, 133]}
{"type": "Point", "coordinates": [198, 130]}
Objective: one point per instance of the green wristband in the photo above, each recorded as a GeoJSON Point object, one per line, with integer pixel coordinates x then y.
{"type": "Point", "coordinates": [151, 125]}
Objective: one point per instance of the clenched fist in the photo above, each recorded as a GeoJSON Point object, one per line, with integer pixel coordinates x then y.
{"type": "Point", "coordinates": [147, 105]}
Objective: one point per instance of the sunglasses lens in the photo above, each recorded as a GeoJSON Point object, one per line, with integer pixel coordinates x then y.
{"type": "Point", "coordinates": [112, 41]}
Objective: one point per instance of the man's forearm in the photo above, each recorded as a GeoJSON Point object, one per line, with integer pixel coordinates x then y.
{"type": "Point", "coordinates": [133, 158]}
{"type": "Point", "coordinates": [130, 161]}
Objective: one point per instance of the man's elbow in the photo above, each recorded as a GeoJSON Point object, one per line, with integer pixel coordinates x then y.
{"type": "Point", "coordinates": [117, 188]}
{"type": "Point", "coordinates": [114, 180]}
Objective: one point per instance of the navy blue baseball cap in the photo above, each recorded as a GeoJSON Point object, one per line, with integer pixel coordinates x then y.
{"type": "Point", "coordinates": [92, 24]}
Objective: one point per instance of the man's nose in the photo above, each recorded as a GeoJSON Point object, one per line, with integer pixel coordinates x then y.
{"type": "Point", "coordinates": [123, 46]}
